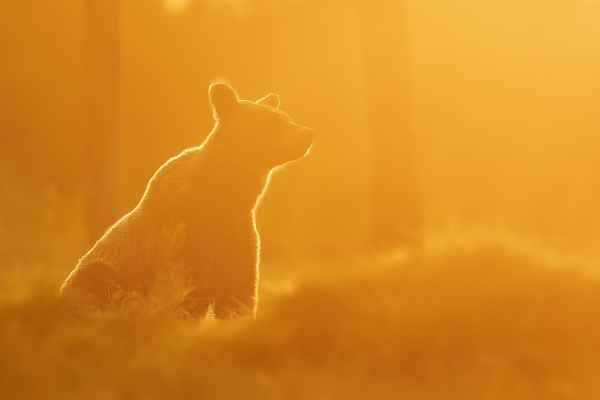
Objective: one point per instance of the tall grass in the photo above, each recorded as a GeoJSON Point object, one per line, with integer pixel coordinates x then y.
{"type": "Point", "coordinates": [468, 316]}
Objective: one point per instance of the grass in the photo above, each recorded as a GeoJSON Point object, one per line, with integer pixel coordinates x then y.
{"type": "Point", "coordinates": [478, 316]}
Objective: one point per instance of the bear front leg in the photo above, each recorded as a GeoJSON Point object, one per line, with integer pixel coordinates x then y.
{"type": "Point", "coordinates": [235, 273]}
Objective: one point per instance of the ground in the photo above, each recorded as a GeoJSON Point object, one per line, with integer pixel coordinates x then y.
{"type": "Point", "coordinates": [477, 315]}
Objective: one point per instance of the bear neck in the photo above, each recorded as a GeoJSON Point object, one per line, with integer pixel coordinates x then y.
{"type": "Point", "coordinates": [233, 183]}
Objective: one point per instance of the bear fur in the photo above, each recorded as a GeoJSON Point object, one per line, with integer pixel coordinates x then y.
{"type": "Point", "coordinates": [191, 244]}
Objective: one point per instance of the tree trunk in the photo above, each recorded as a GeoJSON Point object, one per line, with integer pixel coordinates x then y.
{"type": "Point", "coordinates": [395, 199]}
{"type": "Point", "coordinates": [102, 63]}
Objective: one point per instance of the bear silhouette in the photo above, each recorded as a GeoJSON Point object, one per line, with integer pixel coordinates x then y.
{"type": "Point", "coordinates": [191, 246]}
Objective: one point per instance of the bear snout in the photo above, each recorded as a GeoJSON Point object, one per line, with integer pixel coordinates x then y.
{"type": "Point", "coordinates": [308, 136]}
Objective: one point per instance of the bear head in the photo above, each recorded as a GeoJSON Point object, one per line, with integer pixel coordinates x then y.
{"type": "Point", "coordinates": [258, 132]}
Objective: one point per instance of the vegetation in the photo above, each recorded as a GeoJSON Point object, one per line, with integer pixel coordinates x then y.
{"type": "Point", "coordinates": [478, 315]}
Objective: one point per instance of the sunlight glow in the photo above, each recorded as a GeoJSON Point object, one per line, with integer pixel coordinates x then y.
{"type": "Point", "coordinates": [176, 6]}
{"type": "Point", "coordinates": [440, 241]}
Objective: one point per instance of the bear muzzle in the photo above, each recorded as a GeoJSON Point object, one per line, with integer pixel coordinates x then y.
{"type": "Point", "coordinates": [307, 139]}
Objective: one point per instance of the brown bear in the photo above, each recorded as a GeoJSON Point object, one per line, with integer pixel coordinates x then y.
{"type": "Point", "coordinates": [191, 244]}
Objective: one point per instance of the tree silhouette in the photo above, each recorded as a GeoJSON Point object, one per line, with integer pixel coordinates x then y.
{"type": "Point", "coordinates": [395, 209]}
{"type": "Point", "coordinates": [102, 61]}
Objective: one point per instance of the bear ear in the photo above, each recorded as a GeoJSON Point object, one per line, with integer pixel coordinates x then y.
{"type": "Point", "coordinates": [271, 100]}
{"type": "Point", "coordinates": [223, 99]}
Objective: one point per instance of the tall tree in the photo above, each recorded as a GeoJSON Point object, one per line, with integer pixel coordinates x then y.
{"type": "Point", "coordinates": [102, 63]}
{"type": "Point", "coordinates": [395, 203]}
